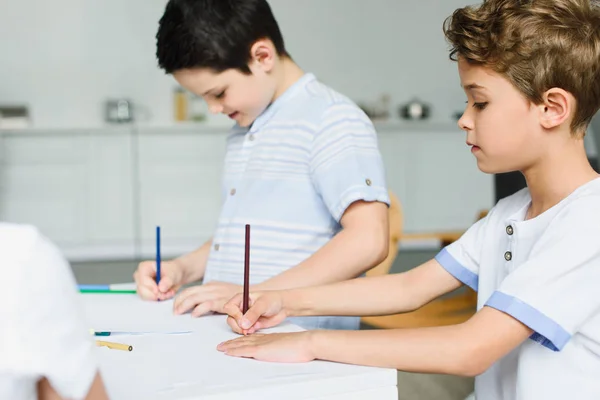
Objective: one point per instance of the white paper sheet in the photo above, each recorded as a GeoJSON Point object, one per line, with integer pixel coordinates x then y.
{"type": "Point", "coordinates": [190, 367]}
{"type": "Point", "coordinates": [128, 314]}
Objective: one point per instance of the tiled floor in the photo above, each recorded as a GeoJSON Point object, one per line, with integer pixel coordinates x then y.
{"type": "Point", "coordinates": [410, 386]}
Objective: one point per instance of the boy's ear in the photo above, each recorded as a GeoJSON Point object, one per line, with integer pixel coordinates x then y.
{"type": "Point", "coordinates": [557, 108]}
{"type": "Point", "coordinates": [263, 54]}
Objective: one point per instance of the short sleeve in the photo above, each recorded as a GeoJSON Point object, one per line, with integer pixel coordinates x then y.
{"type": "Point", "coordinates": [345, 162]}
{"type": "Point", "coordinates": [462, 258]}
{"type": "Point", "coordinates": [557, 289]}
{"type": "Point", "coordinates": [54, 340]}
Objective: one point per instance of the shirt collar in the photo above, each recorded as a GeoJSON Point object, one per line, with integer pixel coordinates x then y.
{"type": "Point", "coordinates": [272, 109]}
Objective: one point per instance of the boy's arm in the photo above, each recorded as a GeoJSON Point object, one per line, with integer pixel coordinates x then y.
{"type": "Point", "coordinates": [381, 295]}
{"type": "Point", "coordinates": [467, 349]}
{"type": "Point", "coordinates": [194, 263]}
{"type": "Point", "coordinates": [361, 244]}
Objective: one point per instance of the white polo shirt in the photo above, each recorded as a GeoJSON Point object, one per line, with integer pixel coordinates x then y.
{"type": "Point", "coordinates": [291, 176]}
{"type": "Point", "coordinates": [545, 272]}
{"type": "Point", "coordinates": [42, 329]}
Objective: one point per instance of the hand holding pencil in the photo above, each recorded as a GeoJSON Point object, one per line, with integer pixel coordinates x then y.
{"type": "Point", "coordinates": [171, 279]}
{"type": "Point", "coordinates": [249, 313]}
{"type": "Point", "coordinates": [266, 310]}
{"type": "Point", "coordinates": [212, 296]}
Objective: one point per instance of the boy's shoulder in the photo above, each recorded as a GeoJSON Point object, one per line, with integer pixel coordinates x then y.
{"type": "Point", "coordinates": [582, 204]}
{"type": "Point", "coordinates": [584, 201]}
{"type": "Point", "coordinates": [18, 243]}
{"type": "Point", "coordinates": [318, 103]}
{"type": "Point", "coordinates": [17, 237]}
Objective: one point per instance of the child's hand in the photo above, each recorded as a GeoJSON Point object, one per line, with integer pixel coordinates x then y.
{"type": "Point", "coordinates": [203, 299]}
{"type": "Point", "coordinates": [171, 279]}
{"type": "Point", "coordinates": [265, 311]}
{"type": "Point", "coordinates": [276, 347]}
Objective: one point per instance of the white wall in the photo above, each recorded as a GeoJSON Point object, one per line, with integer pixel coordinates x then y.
{"type": "Point", "coordinates": [99, 193]}
{"type": "Point", "coordinates": [65, 57]}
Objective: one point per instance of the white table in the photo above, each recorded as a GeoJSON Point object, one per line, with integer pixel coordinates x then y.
{"type": "Point", "coordinates": [188, 366]}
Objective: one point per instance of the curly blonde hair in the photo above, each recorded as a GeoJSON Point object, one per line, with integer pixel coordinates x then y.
{"type": "Point", "coordinates": [536, 45]}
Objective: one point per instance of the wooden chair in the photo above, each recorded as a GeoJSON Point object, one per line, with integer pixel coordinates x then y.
{"type": "Point", "coordinates": [452, 309]}
{"type": "Point", "coordinates": [396, 222]}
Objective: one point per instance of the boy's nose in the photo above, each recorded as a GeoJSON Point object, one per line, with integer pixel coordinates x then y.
{"type": "Point", "coordinates": [465, 122]}
{"type": "Point", "coordinates": [215, 108]}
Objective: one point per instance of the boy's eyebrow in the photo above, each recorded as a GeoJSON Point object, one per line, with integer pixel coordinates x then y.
{"type": "Point", "coordinates": [473, 86]}
{"type": "Point", "coordinates": [215, 89]}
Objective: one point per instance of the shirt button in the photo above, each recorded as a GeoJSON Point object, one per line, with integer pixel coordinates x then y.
{"type": "Point", "coordinates": [232, 192]}
{"type": "Point", "coordinates": [251, 137]}
{"type": "Point", "coordinates": [509, 230]}
{"type": "Point", "coordinates": [217, 246]}
{"type": "Point", "coordinates": [508, 256]}
{"type": "Point", "coordinates": [368, 182]}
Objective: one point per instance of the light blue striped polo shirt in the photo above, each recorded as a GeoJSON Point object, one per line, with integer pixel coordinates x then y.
{"type": "Point", "coordinates": [291, 176]}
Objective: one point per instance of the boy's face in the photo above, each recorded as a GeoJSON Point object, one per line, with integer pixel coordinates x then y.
{"type": "Point", "coordinates": [239, 96]}
{"type": "Point", "coordinates": [502, 125]}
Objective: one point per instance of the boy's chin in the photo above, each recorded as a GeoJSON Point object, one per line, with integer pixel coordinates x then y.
{"type": "Point", "coordinates": [489, 168]}
{"type": "Point", "coordinates": [245, 122]}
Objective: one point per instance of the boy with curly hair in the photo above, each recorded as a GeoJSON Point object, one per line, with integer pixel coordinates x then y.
{"type": "Point", "coordinates": [531, 74]}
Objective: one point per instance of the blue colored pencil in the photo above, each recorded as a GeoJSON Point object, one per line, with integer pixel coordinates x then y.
{"type": "Point", "coordinates": [157, 255]}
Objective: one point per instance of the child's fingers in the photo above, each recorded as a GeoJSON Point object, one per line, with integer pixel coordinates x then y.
{"type": "Point", "coordinates": [146, 293]}
{"type": "Point", "coordinates": [182, 297]}
{"type": "Point", "coordinates": [255, 328]}
{"type": "Point", "coordinates": [257, 310]}
{"type": "Point", "coordinates": [234, 325]}
{"type": "Point", "coordinates": [165, 284]}
{"type": "Point", "coordinates": [233, 307]}
{"type": "Point", "coordinates": [146, 287]}
{"type": "Point", "coordinates": [188, 299]}
{"type": "Point", "coordinates": [202, 309]}
{"type": "Point", "coordinates": [168, 295]}
{"type": "Point", "coordinates": [147, 268]}
{"type": "Point", "coordinates": [192, 297]}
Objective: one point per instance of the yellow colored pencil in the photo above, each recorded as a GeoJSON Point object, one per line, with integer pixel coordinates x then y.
{"type": "Point", "coordinates": [115, 346]}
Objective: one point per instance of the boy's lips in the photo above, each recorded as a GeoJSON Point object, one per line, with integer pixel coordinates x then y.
{"type": "Point", "coordinates": [474, 147]}
{"type": "Point", "coordinates": [233, 115]}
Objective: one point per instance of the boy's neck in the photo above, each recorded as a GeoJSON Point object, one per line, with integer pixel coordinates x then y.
{"type": "Point", "coordinates": [287, 73]}
{"type": "Point", "coordinates": [554, 178]}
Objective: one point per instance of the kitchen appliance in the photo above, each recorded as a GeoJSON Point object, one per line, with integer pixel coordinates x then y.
{"type": "Point", "coordinates": [119, 111]}
{"type": "Point", "coordinates": [415, 109]}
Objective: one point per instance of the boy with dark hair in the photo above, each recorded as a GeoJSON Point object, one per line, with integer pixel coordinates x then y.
{"type": "Point", "coordinates": [302, 165]}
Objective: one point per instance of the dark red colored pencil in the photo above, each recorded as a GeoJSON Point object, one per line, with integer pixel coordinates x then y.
{"type": "Point", "coordinates": [246, 271]}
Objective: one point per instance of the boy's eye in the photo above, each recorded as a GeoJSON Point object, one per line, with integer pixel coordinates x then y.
{"type": "Point", "coordinates": [220, 95]}
{"type": "Point", "coordinates": [480, 106]}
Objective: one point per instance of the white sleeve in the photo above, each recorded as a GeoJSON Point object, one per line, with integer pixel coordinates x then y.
{"type": "Point", "coordinates": [54, 339]}
{"type": "Point", "coordinates": [461, 258]}
{"type": "Point", "coordinates": [556, 291]}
